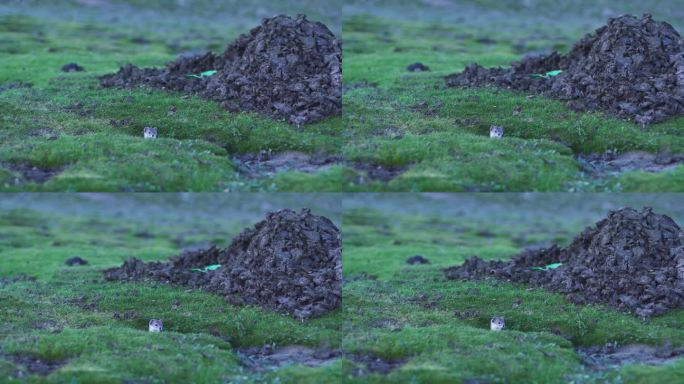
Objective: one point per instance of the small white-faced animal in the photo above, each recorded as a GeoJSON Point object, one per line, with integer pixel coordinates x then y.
{"type": "Point", "coordinates": [150, 133]}
{"type": "Point", "coordinates": [156, 325]}
{"type": "Point", "coordinates": [496, 131]}
{"type": "Point", "coordinates": [497, 323]}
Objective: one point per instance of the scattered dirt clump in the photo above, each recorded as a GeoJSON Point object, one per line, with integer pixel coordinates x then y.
{"type": "Point", "coordinates": [632, 261]}
{"type": "Point", "coordinates": [290, 262]}
{"type": "Point", "coordinates": [604, 357]}
{"type": "Point", "coordinates": [286, 68]}
{"type": "Point", "coordinates": [631, 68]}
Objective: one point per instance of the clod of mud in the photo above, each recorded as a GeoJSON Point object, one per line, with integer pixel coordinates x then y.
{"type": "Point", "coordinates": [632, 68]}
{"type": "Point", "coordinates": [604, 164]}
{"type": "Point", "coordinates": [72, 67]}
{"type": "Point", "coordinates": [418, 67]}
{"type": "Point", "coordinates": [75, 261]}
{"type": "Point", "coordinates": [632, 261]}
{"type": "Point", "coordinates": [290, 262]}
{"type": "Point", "coordinates": [417, 259]}
{"type": "Point", "coordinates": [610, 356]}
{"type": "Point", "coordinates": [285, 68]}
{"type": "Point", "coordinates": [269, 357]}
{"type": "Point", "coordinates": [265, 163]}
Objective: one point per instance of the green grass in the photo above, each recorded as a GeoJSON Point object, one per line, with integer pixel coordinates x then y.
{"type": "Point", "coordinates": [94, 135]}
{"type": "Point", "coordinates": [406, 313]}
{"type": "Point", "coordinates": [98, 330]}
{"type": "Point", "coordinates": [446, 145]}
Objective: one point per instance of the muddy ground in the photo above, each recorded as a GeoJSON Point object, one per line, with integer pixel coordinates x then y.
{"type": "Point", "coordinates": [290, 262]}
{"type": "Point", "coordinates": [287, 68]}
{"type": "Point", "coordinates": [632, 261]}
{"type": "Point", "coordinates": [631, 68]}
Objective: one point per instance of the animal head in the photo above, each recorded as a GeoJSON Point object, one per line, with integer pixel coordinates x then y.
{"type": "Point", "coordinates": [496, 132]}
{"type": "Point", "coordinates": [156, 325]}
{"type": "Point", "coordinates": [497, 323]}
{"type": "Point", "coordinates": [150, 133]}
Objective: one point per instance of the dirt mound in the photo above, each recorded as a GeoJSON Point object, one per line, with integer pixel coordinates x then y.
{"type": "Point", "coordinates": [290, 262]}
{"type": "Point", "coordinates": [632, 261]}
{"type": "Point", "coordinates": [285, 68]}
{"type": "Point", "coordinates": [632, 68]}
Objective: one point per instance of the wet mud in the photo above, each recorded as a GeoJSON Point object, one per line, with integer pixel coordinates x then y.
{"type": "Point", "coordinates": [290, 263]}
{"type": "Point", "coordinates": [632, 68]}
{"type": "Point", "coordinates": [287, 68]}
{"type": "Point", "coordinates": [632, 261]}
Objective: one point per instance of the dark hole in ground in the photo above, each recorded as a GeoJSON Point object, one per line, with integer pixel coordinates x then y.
{"type": "Point", "coordinates": [632, 261]}
{"type": "Point", "coordinates": [607, 163]}
{"type": "Point", "coordinates": [7, 280]}
{"type": "Point", "coordinates": [611, 356]}
{"type": "Point", "coordinates": [75, 261]}
{"type": "Point", "coordinates": [266, 164]}
{"type": "Point", "coordinates": [31, 173]}
{"type": "Point", "coordinates": [269, 357]}
{"type": "Point", "coordinates": [377, 172]}
{"type": "Point", "coordinates": [286, 68]}
{"type": "Point", "coordinates": [31, 365]}
{"type": "Point", "coordinates": [367, 364]}
{"type": "Point", "coordinates": [8, 86]}
{"type": "Point", "coordinates": [632, 68]}
{"type": "Point", "coordinates": [290, 262]}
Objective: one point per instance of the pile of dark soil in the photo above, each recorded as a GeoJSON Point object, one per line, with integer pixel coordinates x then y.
{"type": "Point", "coordinates": [631, 68]}
{"type": "Point", "coordinates": [290, 262]}
{"type": "Point", "coordinates": [632, 261]}
{"type": "Point", "coordinates": [285, 68]}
